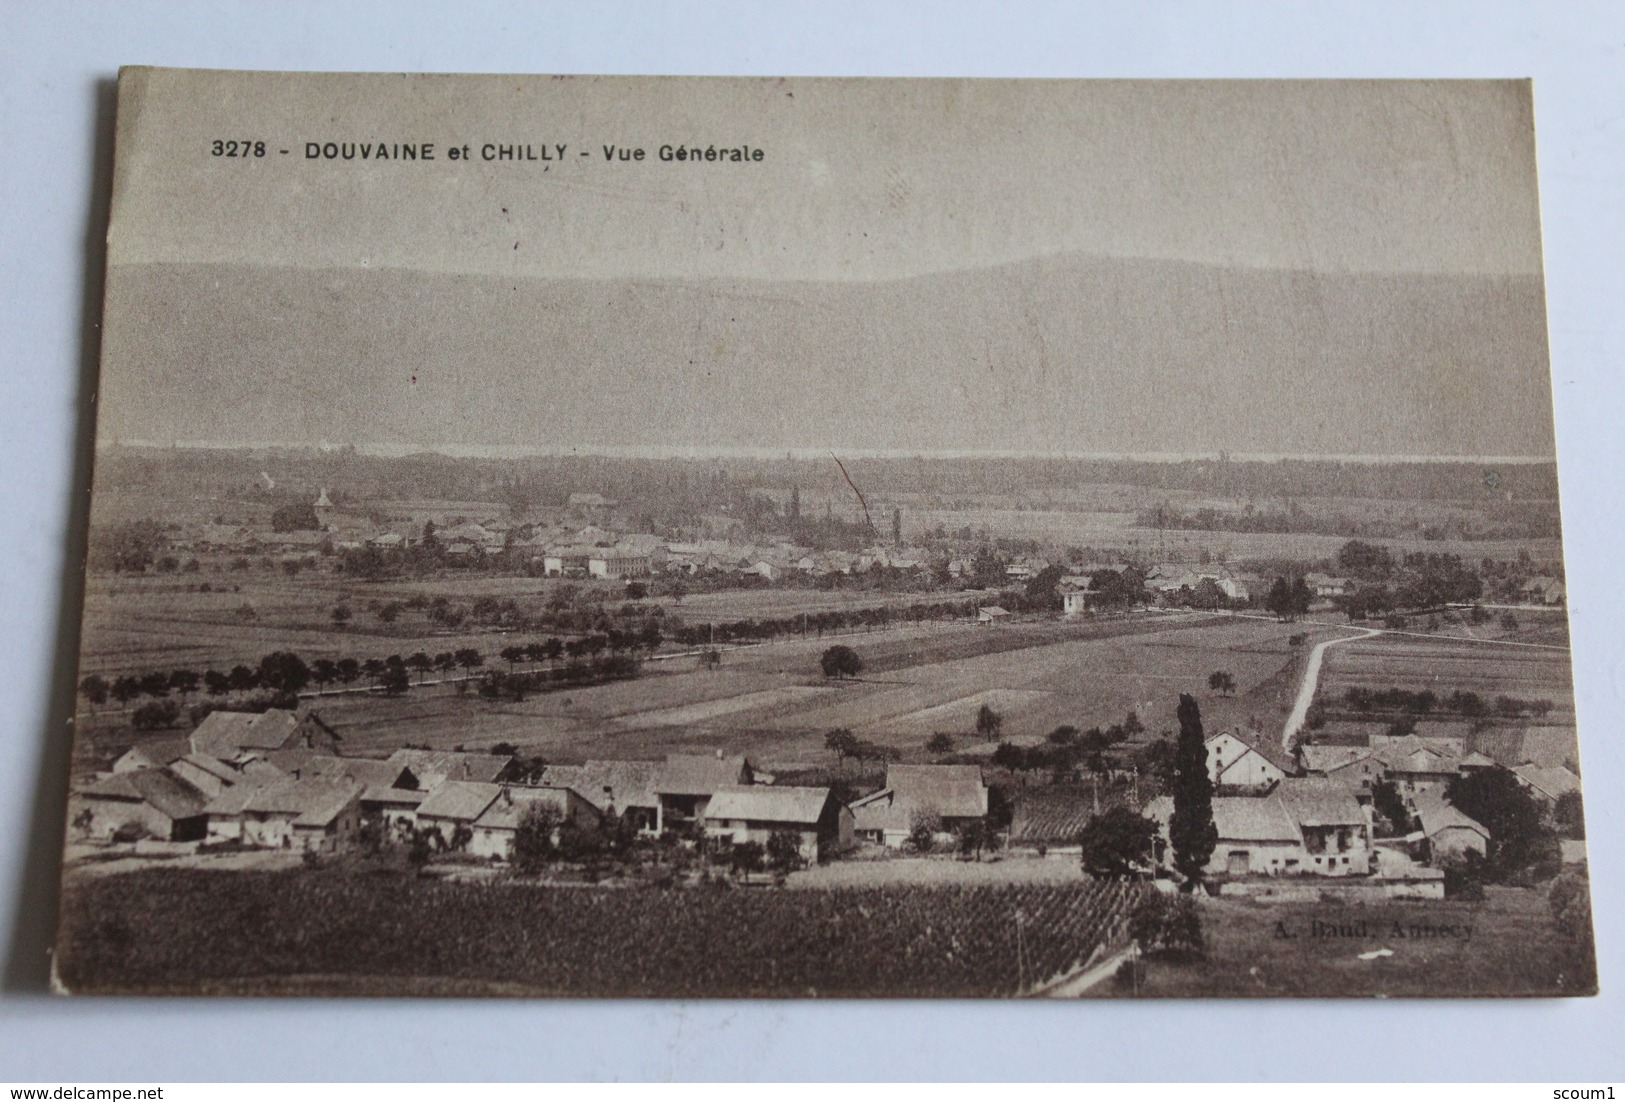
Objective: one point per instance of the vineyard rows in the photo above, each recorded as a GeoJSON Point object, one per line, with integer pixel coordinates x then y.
{"type": "Point", "coordinates": [180, 930]}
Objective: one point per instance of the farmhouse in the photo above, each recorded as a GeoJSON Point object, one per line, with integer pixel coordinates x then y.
{"type": "Point", "coordinates": [225, 812]}
{"type": "Point", "coordinates": [153, 801]}
{"type": "Point", "coordinates": [685, 783]}
{"type": "Point", "coordinates": [314, 814]}
{"type": "Point", "coordinates": [1547, 784]}
{"type": "Point", "coordinates": [495, 828]}
{"type": "Point", "coordinates": [991, 614]}
{"type": "Point", "coordinates": [947, 797]}
{"type": "Point", "coordinates": [616, 562]}
{"type": "Point", "coordinates": [1449, 832]}
{"type": "Point", "coordinates": [624, 788]}
{"type": "Point", "coordinates": [753, 813]}
{"type": "Point", "coordinates": [394, 808]}
{"type": "Point", "coordinates": [1545, 591]}
{"type": "Point", "coordinates": [1326, 585]}
{"type": "Point", "coordinates": [1304, 826]}
{"type": "Point", "coordinates": [208, 774]}
{"type": "Point", "coordinates": [452, 808]}
{"type": "Point", "coordinates": [226, 735]}
{"type": "Point", "coordinates": [1054, 815]}
{"type": "Point", "coordinates": [1354, 766]}
{"type": "Point", "coordinates": [1415, 765]}
{"type": "Point", "coordinates": [1335, 826]}
{"type": "Point", "coordinates": [431, 767]}
{"type": "Point", "coordinates": [1243, 758]}
{"type": "Point", "coordinates": [154, 754]}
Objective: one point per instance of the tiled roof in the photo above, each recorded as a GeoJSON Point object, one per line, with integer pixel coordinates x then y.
{"type": "Point", "coordinates": [1262, 745]}
{"type": "Point", "coordinates": [508, 810]}
{"type": "Point", "coordinates": [222, 733]}
{"type": "Point", "coordinates": [364, 771]}
{"type": "Point", "coordinates": [1438, 814]}
{"type": "Point", "coordinates": [1552, 781]}
{"type": "Point", "coordinates": [160, 752]}
{"type": "Point", "coordinates": [311, 801]}
{"type": "Point", "coordinates": [699, 774]}
{"type": "Point", "coordinates": [1319, 801]}
{"type": "Point", "coordinates": [1324, 759]}
{"type": "Point", "coordinates": [432, 766]}
{"type": "Point", "coordinates": [1254, 819]}
{"type": "Point", "coordinates": [956, 791]}
{"type": "Point", "coordinates": [768, 804]}
{"type": "Point", "coordinates": [213, 766]}
{"type": "Point", "coordinates": [168, 793]}
{"type": "Point", "coordinates": [461, 800]}
{"type": "Point", "coordinates": [601, 783]}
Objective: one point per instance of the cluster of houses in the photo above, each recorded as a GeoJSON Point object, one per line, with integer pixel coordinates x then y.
{"type": "Point", "coordinates": [1313, 811]}
{"type": "Point", "coordinates": [577, 542]}
{"type": "Point", "coordinates": [276, 780]}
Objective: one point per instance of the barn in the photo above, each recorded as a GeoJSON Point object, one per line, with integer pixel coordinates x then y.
{"type": "Point", "coordinates": [753, 813]}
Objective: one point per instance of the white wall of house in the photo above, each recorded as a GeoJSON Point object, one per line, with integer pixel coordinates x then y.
{"type": "Point", "coordinates": [1231, 761]}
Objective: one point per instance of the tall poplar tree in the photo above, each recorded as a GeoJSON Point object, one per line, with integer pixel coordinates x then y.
{"type": "Point", "coordinates": [1191, 830]}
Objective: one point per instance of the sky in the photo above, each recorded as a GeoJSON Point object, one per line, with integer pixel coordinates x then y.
{"type": "Point", "coordinates": [1046, 267]}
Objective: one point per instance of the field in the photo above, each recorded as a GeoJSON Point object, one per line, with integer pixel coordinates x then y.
{"type": "Point", "coordinates": [135, 624]}
{"type": "Point", "coordinates": [1447, 665]}
{"type": "Point", "coordinates": [328, 932]}
{"type": "Point", "coordinates": [1511, 950]}
{"type": "Point", "coordinates": [771, 701]}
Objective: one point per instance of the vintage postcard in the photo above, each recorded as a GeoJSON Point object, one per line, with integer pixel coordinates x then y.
{"type": "Point", "coordinates": [674, 537]}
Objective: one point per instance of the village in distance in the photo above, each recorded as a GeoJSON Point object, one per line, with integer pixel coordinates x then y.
{"type": "Point", "coordinates": [719, 726]}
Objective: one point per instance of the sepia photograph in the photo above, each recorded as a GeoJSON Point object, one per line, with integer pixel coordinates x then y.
{"type": "Point", "coordinates": [688, 537]}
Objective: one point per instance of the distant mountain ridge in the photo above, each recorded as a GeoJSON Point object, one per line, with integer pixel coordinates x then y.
{"type": "Point", "coordinates": [1058, 354]}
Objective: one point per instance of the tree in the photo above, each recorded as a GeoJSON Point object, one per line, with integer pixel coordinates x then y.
{"type": "Point", "coordinates": [1569, 815]}
{"type": "Point", "coordinates": [95, 688]}
{"type": "Point", "coordinates": [324, 671]}
{"type": "Point", "coordinates": [284, 672]}
{"type": "Point", "coordinates": [124, 689]}
{"type": "Point", "coordinates": [922, 831]}
{"type": "Point", "coordinates": [841, 661]}
{"type": "Point", "coordinates": [1191, 829]}
{"type": "Point", "coordinates": [470, 659]}
{"type": "Point", "coordinates": [842, 741]}
{"type": "Point", "coordinates": [349, 670]}
{"type": "Point", "coordinates": [1117, 843]}
{"type": "Point", "coordinates": [1387, 802]}
{"type": "Point", "coordinates": [534, 839]}
{"type": "Point", "coordinates": [1221, 682]}
{"type": "Point", "coordinates": [1157, 759]}
{"type": "Point", "coordinates": [1279, 598]}
{"type": "Point", "coordinates": [1519, 836]}
{"type": "Point", "coordinates": [420, 663]}
{"type": "Point", "coordinates": [940, 743]}
{"type": "Point", "coordinates": [1043, 591]}
{"type": "Point", "coordinates": [156, 715]}
{"type": "Point", "coordinates": [748, 857]}
{"type": "Point", "coordinates": [784, 850]}
{"type": "Point", "coordinates": [897, 527]}
{"type": "Point", "coordinates": [341, 615]}
{"type": "Point", "coordinates": [1169, 924]}
{"type": "Point", "coordinates": [988, 723]}
{"type": "Point", "coordinates": [972, 838]}
{"type": "Point", "coordinates": [295, 518]}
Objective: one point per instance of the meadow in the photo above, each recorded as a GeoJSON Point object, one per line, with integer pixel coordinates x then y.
{"type": "Point", "coordinates": [1271, 950]}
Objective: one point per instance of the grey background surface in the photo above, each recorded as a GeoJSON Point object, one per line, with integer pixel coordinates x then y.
{"type": "Point", "coordinates": [57, 62]}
